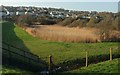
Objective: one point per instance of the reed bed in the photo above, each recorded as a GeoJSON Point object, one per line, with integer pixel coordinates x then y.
{"type": "Point", "coordinates": [66, 34]}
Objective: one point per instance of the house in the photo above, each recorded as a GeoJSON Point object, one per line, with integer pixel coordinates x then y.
{"type": "Point", "coordinates": [99, 17]}
{"type": "Point", "coordinates": [56, 14]}
{"type": "Point", "coordinates": [17, 13]}
{"type": "Point", "coordinates": [21, 13]}
{"type": "Point", "coordinates": [60, 16]}
{"type": "Point", "coordinates": [88, 17]}
{"type": "Point", "coordinates": [85, 17]}
{"type": "Point", "coordinates": [11, 13]}
{"type": "Point", "coordinates": [67, 15]}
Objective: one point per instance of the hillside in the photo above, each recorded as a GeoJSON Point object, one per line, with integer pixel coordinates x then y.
{"type": "Point", "coordinates": [102, 67]}
{"type": "Point", "coordinates": [61, 50]}
{"type": "Point", "coordinates": [64, 53]}
{"type": "Point", "coordinates": [52, 41]}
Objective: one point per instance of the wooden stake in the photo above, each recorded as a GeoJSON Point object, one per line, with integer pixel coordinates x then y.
{"type": "Point", "coordinates": [50, 62]}
{"type": "Point", "coordinates": [110, 53]}
{"type": "Point", "coordinates": [86, 58]}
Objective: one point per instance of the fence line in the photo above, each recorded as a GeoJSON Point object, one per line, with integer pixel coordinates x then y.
{"type": "Point", "coordinates": [20, 57]}
{"type": "Point", "coordinates": [85, 62]}
{"type": "Point", "coordinates": [34, 58]}
{"type": "Point", "coordinates": [86, 58]}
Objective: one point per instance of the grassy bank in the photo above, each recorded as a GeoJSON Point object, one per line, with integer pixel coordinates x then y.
{"type": "Point", "coordinates": [102, 67]}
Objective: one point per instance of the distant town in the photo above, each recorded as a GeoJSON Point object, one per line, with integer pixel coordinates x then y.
{"type": "Point", "coordinates": [49, 12]}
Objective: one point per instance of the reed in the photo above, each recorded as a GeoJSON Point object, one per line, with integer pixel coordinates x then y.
{"type": "Point", "coordinates": [65, 34]}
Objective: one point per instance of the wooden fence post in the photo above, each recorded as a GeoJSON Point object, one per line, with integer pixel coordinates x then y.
{"type": "Point", "coordinates": [86, 57]}
{"type": "Point", "coordinates": [50, 62]}
{"type": "Point", "coordinates": [110, 53]}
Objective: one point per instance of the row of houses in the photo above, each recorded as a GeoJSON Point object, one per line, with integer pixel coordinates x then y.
{"type": "Point", "coordinates": [53, 13]}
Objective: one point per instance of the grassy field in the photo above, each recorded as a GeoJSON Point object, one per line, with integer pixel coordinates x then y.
{"type": "Point", "coordinates": [61, 51]}
{"type": "Point", "coordinates": [102, 67]}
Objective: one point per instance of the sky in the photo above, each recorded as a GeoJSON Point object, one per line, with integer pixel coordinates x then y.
{"type": "Point", "coordinates": [87, 5]}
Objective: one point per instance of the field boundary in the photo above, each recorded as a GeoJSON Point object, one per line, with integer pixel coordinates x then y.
{"type": "Point", "coordinates": [27, 60]}
{"type": "Point", "coordinates": [21, 58]}
{"type": "Point", "coordinates": [74, 64]}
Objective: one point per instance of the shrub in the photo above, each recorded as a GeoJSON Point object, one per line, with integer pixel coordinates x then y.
{"type": "Point", "coordinates": [67, 21]}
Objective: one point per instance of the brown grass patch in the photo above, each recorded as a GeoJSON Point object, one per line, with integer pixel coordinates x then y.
{"type": "Point", "coordinates": [65, 34]}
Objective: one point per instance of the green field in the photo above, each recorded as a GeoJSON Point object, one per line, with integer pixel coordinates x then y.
{"type": "Point", "coordinates": [102, 67]}
{"type": "Point", "coordinates": [60, 51]}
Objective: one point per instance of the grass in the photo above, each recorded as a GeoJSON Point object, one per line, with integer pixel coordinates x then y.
{"type": "Point", "coordinates": [102, 67]}
{"type": "Point", "coordinates": [61, 51]}
{"type": "Point", "coordinates": [14, 71]}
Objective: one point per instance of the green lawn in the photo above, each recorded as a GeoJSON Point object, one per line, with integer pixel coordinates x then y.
{"type": "Point", "coordinates": [61, 51]}
{"type": "Point", "coordinates": [102, 67]}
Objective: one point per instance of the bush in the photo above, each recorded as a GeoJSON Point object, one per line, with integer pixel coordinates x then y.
{"type": "Point", "coordinates": [24, 19]}
{"type": "Point", "coordinates": [67, 21]}
{"type": "Point", "coordinates": [47, 21]}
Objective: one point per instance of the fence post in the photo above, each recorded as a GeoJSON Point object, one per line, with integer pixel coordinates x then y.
{"type": "Point", "coordinates": [110, 53]}
{"type": "Point", "coordinates": [86, 57]}
{"type": "Point", "coordinates": [50, 62]}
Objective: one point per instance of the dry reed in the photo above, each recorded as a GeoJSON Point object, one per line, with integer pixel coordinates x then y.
{"type": "Point", "coordinates": [65, 34]}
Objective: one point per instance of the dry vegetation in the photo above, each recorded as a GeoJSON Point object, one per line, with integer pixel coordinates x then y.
{"type": "Point", "coordinates": [59, 33]}
{"type": "Point", "coordinates": [74, 34]}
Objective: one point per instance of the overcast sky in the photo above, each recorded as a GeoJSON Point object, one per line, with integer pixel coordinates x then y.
{"type": "Point", "coordinates": [87, 5]}
{"type": "Point", "coordinates": [59, 0]}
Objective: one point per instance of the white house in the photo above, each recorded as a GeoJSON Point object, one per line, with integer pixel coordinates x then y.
{"type": "Point", "coordinates": [17, 13]}
{"type": "Point", "coordinates": [8, 13]}
{"type": "Point", "coordinates": [88, 17]}
{"type": "Point", "coordinates": [67, 15]}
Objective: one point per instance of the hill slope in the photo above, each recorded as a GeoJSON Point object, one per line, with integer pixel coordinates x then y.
{"type": "Point", "coordinates": [102, 67]}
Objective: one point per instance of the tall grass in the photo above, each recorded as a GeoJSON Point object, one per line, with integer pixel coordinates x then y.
{"type": "Point", "coordinates": [65, 34]}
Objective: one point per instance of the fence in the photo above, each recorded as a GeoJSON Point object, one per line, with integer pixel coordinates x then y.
{"type": "Point", "coordinates": [20, 58]}
{"type": "Point", "coordinates": [14, 56]}
{"type": "Point", "coordinates": [81, 62]}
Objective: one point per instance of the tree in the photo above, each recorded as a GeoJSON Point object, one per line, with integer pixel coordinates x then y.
{"type": "Point", "coordinates": [91, 23]}
{"type": "Point", "coordinates": [25, 19]}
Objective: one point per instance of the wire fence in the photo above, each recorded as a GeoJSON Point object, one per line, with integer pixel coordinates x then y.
{"type": "Point", "coordinates": [13, 56]}
{"type": "Point", "coordinates": [67, 65]}
{"type": "Point", "coordinates": [21, 58]}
